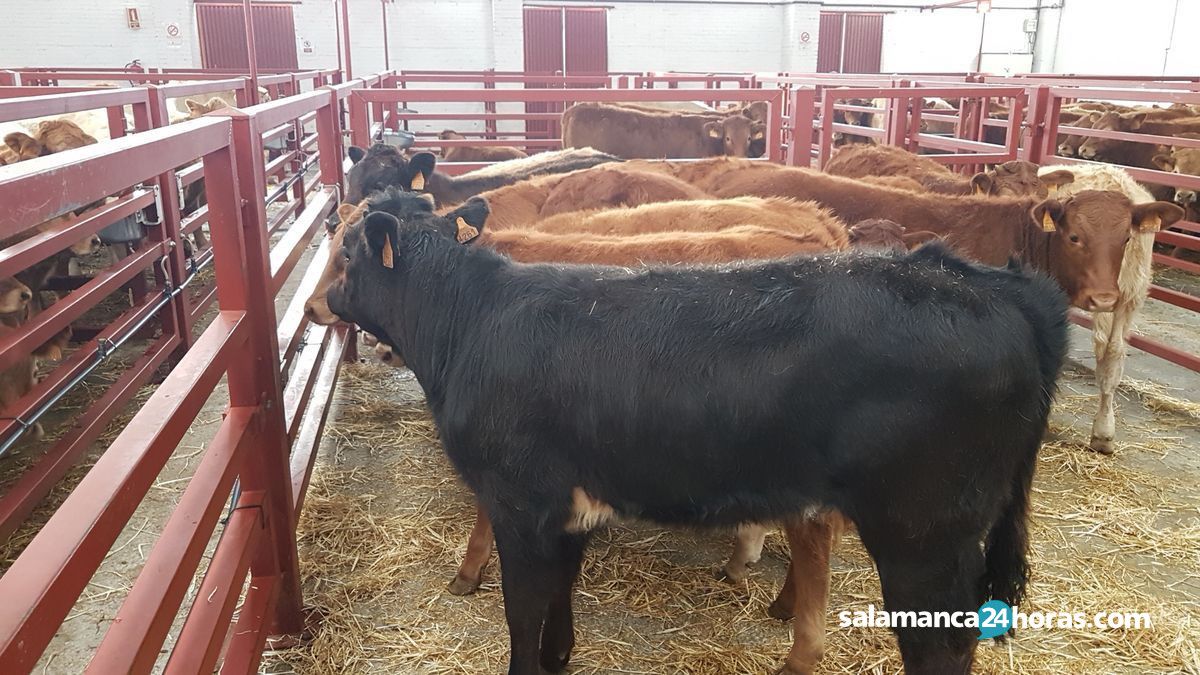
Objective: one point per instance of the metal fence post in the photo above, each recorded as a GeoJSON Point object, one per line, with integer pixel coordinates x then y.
{"type": "Point", "coordinates": [176, 319]}
{"type": "Point", "coordinates": [800, 117]}
{"type": "Point", "coordinates": [256, 380]}
{"type": "Point", "coordinates": [1042, 119]}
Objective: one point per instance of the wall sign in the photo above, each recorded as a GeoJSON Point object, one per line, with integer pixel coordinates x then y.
{"type": "Point", "coordinates": [805, 37]}
{"type": "Point", "coordinates": [173, 30]}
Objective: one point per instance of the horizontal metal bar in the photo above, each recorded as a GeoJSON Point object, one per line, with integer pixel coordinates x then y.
{"type": "Point", "coordinates": [140, 626]}
{"type": "Point", "coordinates": [43, 584]}
{"type": "Point", "coordinates": [286, 253]}
{"type": "Point", "coordinates": [61, 104]}
{"type": "Point", "coordinates": [308, 439]}
{"type": "Point", "coordinates": [552, 95]}
{"type": "Point", "coordinates": [1163, 351]}
{"type": "Point", "coordinates": [1173, 297]}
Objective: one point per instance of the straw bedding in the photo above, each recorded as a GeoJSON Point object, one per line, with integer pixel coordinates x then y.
{"type": "Point", "coordinates": [386, 524]}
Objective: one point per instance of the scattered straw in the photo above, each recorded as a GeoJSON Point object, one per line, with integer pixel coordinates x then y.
{"type": "Point", "coordinates": [386, 523]}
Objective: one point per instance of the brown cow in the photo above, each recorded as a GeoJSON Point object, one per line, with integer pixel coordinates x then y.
{"type": "Point", "coordinates": [1015, 178]}
{"type": "Point", "coordinates": [1131, 153]}
{"type": "Point", "coordinates": [1079, 241]}
{"type": "Point", "coordinates": [483, 153]}
{"type": "Point", "coordinates": [812, 223]}
{"type": "Point", "coordinates": [634, 134]}
{"type": "Point", "coordinates": [881, 233]}
{"type": "Point", "coordinates": [1182, 161]}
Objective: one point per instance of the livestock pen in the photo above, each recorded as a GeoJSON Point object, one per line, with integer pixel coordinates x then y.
{"type": "Point", "coordinates": [356, 564]}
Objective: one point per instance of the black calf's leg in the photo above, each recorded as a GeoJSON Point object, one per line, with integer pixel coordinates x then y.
{"type": "Point", "coordinates": [558, 635]}
{"type": "Point", "coordinates": [529, 566]}
{"type": "Point", "coordinates": [929, 573]}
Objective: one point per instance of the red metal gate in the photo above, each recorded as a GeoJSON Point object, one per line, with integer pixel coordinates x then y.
{"type": "Point", "coordinates": [849, 42]}
{"type": "Point", "coordinates": [561, 40]}
{"type": "Point", "coordinates": [223, 36]}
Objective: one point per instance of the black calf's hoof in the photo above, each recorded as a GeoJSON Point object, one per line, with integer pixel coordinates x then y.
{"type": "Point", "coordinates": [555, 663]}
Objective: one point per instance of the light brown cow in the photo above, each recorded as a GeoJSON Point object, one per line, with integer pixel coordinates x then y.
{"type": "Point", "coordinates": [482, 153]}
{"type": "Point", "coordinates": [633, 134]}
{"type": "Point", "coordinates": [1079, 241]}
{"type": "Point", "coordinates": [1130, 153]}
{"type": "Point", "coordinates": [1184, 161]}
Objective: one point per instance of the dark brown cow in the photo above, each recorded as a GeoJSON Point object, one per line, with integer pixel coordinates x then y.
{"type": "Point", "coordinates": [1080, 240]}
{"type": "Point", "coordinates": [635, 134]}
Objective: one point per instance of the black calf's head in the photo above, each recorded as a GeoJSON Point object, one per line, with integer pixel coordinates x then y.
{"type": "Point", "coordinates": [382, 167]}
{"type": "Point", "coordinates": [378, 251]}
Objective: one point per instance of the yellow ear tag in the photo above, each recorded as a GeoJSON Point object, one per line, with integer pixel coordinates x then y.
{"type": "Point", "coordinates": [387, 251]}
{"type": "Point", "coordinates": [418, 181]}
{"type": "Point", "coordinates": [1048, 223]}
{"type": "Point", "coordinates": [466, 232]}
{"type": "Point", "coordinates": [1151, 223]}
{"type": "Point", "coordinates": [1052, 188]}
{"type": "Point", "coordinates": [978, 190]}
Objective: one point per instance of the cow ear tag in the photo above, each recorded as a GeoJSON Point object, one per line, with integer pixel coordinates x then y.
{"type": "Point", "coordinates": [418, 181]}
{"type": "Point", "coordinates": [1151, 223]}
{"type": "Point", "coordinates": [1048, 223]}
{"type": "Point", "coordinates": [978, 190]}
{"type": "Point", "coordinates": [466, 232]}
{"type": "Point", "coordinates": [1052, 189]}
{"type": "Point", "coordinates": [387, 251]}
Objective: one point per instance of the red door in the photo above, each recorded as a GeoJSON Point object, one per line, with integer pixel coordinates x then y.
{"type": "Point", "coordinates": [829, 42]}
{"type": "Point", "coordinates": [562, 41]}
{"type": "Point", "coordinates": [849, 42]}
{"type": "Point", "coordinates": [223, 36]}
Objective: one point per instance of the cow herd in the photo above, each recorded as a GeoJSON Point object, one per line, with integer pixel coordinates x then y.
{"type": "Point", "coordinates": [725, 342]}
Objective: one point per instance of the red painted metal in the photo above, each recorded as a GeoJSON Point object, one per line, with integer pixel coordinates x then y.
{"type": "Point", "coordinates": [348, 69]}
{"type": "Point", "coordinates": [223, 36]}
{"type": "Point", "coordinates": [863, 45]}
{"type": "Point", "coordinates": [585, 51]}
{"type": "Point", "coordinates": [829, 42]}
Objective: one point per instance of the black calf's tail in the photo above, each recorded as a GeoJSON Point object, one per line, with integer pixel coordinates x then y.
{"type": "Point", "coordinates": [1006, 567]}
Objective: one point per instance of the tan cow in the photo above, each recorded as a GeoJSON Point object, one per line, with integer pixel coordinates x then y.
{"type": "Point", "coordinates": [632, 134]}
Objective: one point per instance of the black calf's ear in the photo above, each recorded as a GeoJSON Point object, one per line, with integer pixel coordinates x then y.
{"type": "Point", "coordinates": [981, 183]}
{"type": "Point", "coordinates": [355, 153]}
{"type": "Point", "coordinates": [1049, 214]}
{"type": "Point", "coordinates": [382, 231]}
{"type": "Point", "coordinates": [421, 166]}
{"type": "Point", "coordinates": [469, 218]}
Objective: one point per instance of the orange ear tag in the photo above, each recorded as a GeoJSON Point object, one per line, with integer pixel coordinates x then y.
{"type": "Point", "coordinates": [1151, 223]}
{"type": "Point", "coordinates": [466, 232]}
{"type": "Point", "coordinates": [1048, 223]}
{"type": "Point", "coordinates": [1052, 188]}
{"type": "Point", "coordinates": [418, 182]}
{"type": "Point", "coordinates": [978, 190]}
{"type": "Point", "coordinates": [387, 251]}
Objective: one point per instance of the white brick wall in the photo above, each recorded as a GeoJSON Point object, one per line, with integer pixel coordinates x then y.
{"type": "Point", "coordinates": [77, 33]}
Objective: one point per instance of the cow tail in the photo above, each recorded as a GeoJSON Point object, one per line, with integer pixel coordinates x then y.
{"type": "Point", "coordinates": [1006, 569]}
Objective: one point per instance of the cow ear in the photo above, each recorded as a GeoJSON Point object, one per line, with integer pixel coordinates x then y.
{"type": "Point", "coordinates": [713, 129]}
{"type": "Point", "coordinates": [1154, 216]}
{"type": "Point", "coordinates": [915, 239]}
{"type": "Point", "coordinates": [216, 103]}
{"type": "Point", "coordinates": [420, 167]}
{"type": "Point", "coordinates": [193, 106]}
{"type": "Point", "coordinates": [1164, 162]}
{"type": "Point", "coordinates": [1049, 214]}
{"type": "Point", "coordinates": [469, 219]}
{"type": "Point", "coordinates": [758, 132]}
{"type": "Point", "coordinates": [355, 153]}
{"type": "Point", "coordinates": [382, 231]}
{"type": "Point", "coordinates": [1134, 119]}
{"type": "Point", "coordinates": [981, 183]}
{"type": "Point", "coordinates": [1056, 179]}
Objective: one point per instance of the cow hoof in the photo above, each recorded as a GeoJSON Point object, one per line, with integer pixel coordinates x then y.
{"type": "Point", "coordinates": [38, 431]}
{"type": "Point", "coordinates": [1104, 446]}
{"type": "Point", "coordinates": [733, 575]}
{"type": "Point", "coordinates": [781, 610]}
{"type": "Point", "coordinates": [556, 663]}
{"type": "Point", "coordinates": [464, 586]}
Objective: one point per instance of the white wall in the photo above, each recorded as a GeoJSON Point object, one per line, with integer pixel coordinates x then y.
{"type": "Point", "coordinates": [1127, 38]}
{"type": "Point", "coordinates": [78, 33]}
{"type": "Point", "coordinates": [949, 41]}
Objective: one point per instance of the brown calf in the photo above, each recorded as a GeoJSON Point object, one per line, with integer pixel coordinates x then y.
{"type": "Point", "coordinates": [1127, 152]}
{"type": "Point", "coordinates": [1183, 161]}
{"type": "Point", "coordinates": [1079, 241]}
{"type": "Point", "coordinates": [634, 134]}
{"type": "Point", "coordinates": [1015, 179]}
{"type": "Point", "coordinates": [483, 153]}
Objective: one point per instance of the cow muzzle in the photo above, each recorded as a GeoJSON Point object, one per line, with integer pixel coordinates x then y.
{"type": "Point", "coordinates": [1104, 301]}
{"type": "Point", "coordinates": [317, 311]}
{"type": "Point", "coordinates": [1185, 197]}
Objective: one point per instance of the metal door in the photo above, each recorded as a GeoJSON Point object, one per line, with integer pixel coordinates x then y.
{"type": "Point", "coordinates": [829, 43]}
{"type": "Point", "coordinates": [223, 36]}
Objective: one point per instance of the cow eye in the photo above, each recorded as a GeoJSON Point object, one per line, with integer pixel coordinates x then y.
{"type": "Point", "coordinates": [1074, 239]}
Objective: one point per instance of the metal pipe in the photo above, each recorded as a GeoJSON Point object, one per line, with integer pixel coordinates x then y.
{"type": "Point", "coordinates": [345, 37]}
{"type": "Point", "coordinates": [387, 60]}
{"type": "Point", "coordinates": [251, 55]}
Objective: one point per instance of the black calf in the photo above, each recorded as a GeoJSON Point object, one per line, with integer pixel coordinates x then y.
{"type": "Point", "coordinates": [908, 391]}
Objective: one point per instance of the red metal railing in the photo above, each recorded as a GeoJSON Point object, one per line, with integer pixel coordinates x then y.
{"type": "Point", "coordinates": [280, 378]}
